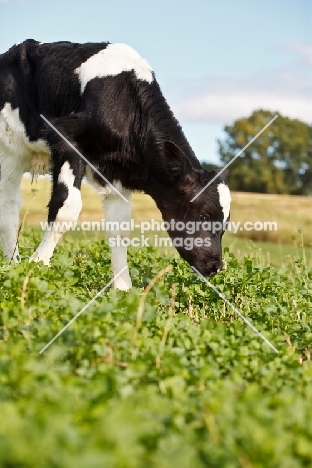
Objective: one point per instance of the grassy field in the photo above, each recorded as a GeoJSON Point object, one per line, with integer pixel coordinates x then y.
{"type": "Point", "coordinates": [163, 376]}
{"type": "Point", "coordinates": [292, 214]}
{"type": "Point", "coordinates": [166, 375]}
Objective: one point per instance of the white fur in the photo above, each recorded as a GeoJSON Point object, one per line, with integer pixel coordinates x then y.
{"type": "Point", "coordinates": [17, 155]}
{"type": "Point", "coordinates": [68, 213]}
{"type": "Point", "coordinates": [115, 59]}
{"type": "Point", "coordinates": [225, 200]}
{"type": "Point", "coordinates": [13, 139]}
{"type": "Point", "coordinates": [71, 209]}
{"type": "Point", "coordinates": [119, 211]}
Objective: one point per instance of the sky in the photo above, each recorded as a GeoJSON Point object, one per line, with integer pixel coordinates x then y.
{"type": "Point", "coordinates": [215, 61]}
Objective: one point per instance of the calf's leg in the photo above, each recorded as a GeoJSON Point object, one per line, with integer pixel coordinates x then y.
{"type": "Point", "coordinates": [64, 206]}
{"type": "Point", "coordinates": [118, 211]}
{"type": "Point", "coordinates": [10, 203]}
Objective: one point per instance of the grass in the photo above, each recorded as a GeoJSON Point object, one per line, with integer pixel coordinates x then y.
{"type": "Point", "coordinates": [269, 253]}
{"type": "Point", "coordinates": [292, 214]}
{"type": "Point", "coordinates": [165, 375]}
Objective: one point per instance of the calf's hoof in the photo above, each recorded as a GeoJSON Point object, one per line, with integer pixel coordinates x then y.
{"type": "Point", "coordinates": [123, 284]}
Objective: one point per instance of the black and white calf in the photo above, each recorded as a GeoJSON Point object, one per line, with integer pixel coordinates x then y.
{"type": "Point", "coordinates": [105, 100]}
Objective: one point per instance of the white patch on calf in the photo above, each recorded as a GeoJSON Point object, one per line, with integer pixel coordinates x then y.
{"type": "Point", "coordinates": [225, 200]}
{"type": "Point", "coordinates": [72, 206]}
{"type": "Point", "coordinates": [67, 214]}
{"type": "Point", "coordinates": [17, 155]}
{"type": "Point", "coordinates": [118, 211]}
{"type": "Point", "coordinates": [14, 143]}
{"type": "Point", "coordinates": [111, 61]}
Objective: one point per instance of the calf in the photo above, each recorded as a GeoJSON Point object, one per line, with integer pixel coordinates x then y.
{"type": "Point", "coordinates": [104, 100]}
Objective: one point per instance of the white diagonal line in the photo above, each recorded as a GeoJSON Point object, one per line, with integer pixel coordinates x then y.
{"type": "Point", "coordinates": [235, 310]}
{"type": "Point", "coordinates": [83, 309]}
{"type": "Point", "coordinates": [83, 157]}
{"type": "Point", "coordinates": [232, 160]}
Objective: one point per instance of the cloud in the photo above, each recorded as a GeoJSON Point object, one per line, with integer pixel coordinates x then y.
{"type": "Point", "coordinates": [302, 50]}
{"type": "Point", "coordinates": [222, 99]}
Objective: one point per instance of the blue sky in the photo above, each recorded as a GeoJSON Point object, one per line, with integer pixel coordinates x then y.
{"type": "Point", "coordinates": [215, 61]}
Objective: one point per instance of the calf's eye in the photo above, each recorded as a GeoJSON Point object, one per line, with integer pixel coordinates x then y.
{"type": "Point", "coordinates": [203, 218]}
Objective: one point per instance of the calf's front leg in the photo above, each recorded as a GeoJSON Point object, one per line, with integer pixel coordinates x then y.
{"type": "Point", "coordinates": [118, 211]}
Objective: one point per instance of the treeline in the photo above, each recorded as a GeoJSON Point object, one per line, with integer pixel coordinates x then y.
{"type": "Point", "coordinates": [278, 161]}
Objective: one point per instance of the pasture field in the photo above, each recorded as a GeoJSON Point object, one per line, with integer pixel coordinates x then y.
{"type": "Point", "coordinates": [293, 215]}
{"type": "Point", "coordinates": [165, 375]}
{"type": "Point", "coordinates": [289, 212]}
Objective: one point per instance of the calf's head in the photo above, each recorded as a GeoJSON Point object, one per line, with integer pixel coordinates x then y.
{"type": "Point", "coordinates": [195, 218]}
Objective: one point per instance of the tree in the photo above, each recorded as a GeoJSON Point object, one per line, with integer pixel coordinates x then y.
{"type": "Point", "coordinates": [278, 161]}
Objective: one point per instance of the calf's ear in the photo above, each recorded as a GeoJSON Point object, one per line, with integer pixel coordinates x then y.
{"type": "Point", "coordinates": [220, 174]}
{"type": "Point", "coordinates": [223, 174]}
{"type": "Point", "coordinates": [177, 165]}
